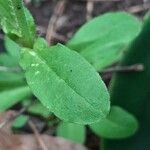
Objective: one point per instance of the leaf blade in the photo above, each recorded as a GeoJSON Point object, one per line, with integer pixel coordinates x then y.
{"type": "Point", "coordinates": [118, 124]}
{"type": "Point", "coordinates": [11, 97]}
{"type": "Point", "coordinates": [65, 84]}
{"type": "Point", "coordinates": [110, 33]}
{"type": "Point", "coordinates": [73, 132]}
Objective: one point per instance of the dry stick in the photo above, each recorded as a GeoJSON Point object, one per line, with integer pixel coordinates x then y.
{"type": "Point", "coordinates": [89, 8]}
{"type": "Point", "coordinates": [139, 8]}
{"type": "Point", "coordinates": [58, 11]}
{"type": "Point", "coordinates": [37, 136]}
{"type": "Point", "coordinates": [13, 117]}
{"type": "Point", "coordinates": [132, 68]}
{"type": "Point", "coordinates": [101, 0]}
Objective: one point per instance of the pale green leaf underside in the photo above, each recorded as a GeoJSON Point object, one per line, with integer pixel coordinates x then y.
{"type": "Point", "coordinates": [73, 132]}
{"type": "Point", "coordinates": [66, 83]}
{"type": "Point", "coordinates": [118, 124]}
{"type": "Point", "coordinates": [13, 96]}
{"type": "Point", "coordinates": [16, 20]}
{"type": "Point", "coordinates": [103, 39]}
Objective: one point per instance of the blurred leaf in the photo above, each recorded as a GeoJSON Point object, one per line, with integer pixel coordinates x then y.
{"type": "Point", "coordinates": [19, 122]}
{"type": "Point", "coordinates": [103, 40]}
{"type": "Point", "coordinates": [12, 48]}
{"type": "Point", "coordinates": [73, 132]}
{"type": "Point", "coordinates": [16, 21]}
{"type": "Point", "coordinates": [118, 124]}
{"type": "Point", "coordinates": [10, 79]}
{"type": "Point", "coordinates": [13, 96]}
{"type": "Point", "coordinates": [7, 60]}
{"type": "Point", "coordinates": [39, 109]}
{"type": "Point", "coordinates": [58, 77]}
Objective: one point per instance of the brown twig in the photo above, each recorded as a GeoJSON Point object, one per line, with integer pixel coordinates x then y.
{"type": "Point", "coordinates": [37, 136]}
{"type": "Point", "coordinates": [89, 8]}
{"type": "Point", "coordinates": [139, 8]}
{"type": "Point", "coordinates": [52, 26]}
{"type": "Point", "coordinates": [101, 0]}
{"type": "Point", "coordinates": [132, 68]}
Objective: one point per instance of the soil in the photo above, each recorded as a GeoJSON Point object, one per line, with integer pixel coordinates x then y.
{"type": "Point", "coordinates": [74, 17]}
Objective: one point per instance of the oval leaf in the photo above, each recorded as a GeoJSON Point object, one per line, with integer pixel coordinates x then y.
{"type": "Point", "coordinates": [103, 39]}
{"type": "Point", "coordinates": [71, 131]}
{"type": "Point", "coordinates": [118, 124]}
{"type": "Point", "coordinates": [66, 84]}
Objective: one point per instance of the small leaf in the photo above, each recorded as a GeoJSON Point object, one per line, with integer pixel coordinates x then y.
{"type": "Point", "coordinates": [66, 84]}
{"type": "Point", "coordinates": [73, 132]}
{"type": "Point", "coordinates": [11, 97]}
{"type": "Point", "coordinates": [39, 109]}
{"type": "Point", "coordinates": [118, 124]}
{"type": "Point", "coordinates": [103, 40]}
{"type": "Point", "coordinates": [16, 21]}
{"type": "Point", "coordinates": [19, 122]}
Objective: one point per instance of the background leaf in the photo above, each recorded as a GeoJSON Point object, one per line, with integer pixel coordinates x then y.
{"type": "Point", "coordinates": [12, 48]}
{"type": "Point", "coordinates": [103, 40]}
{"type": "Point", "coordinates": [11, 97]}
{"type": "Point", "coordinates": [73, 132]}
{"type": "Point", "coordinates": [118, 124]}
{"type": "Point", "coordinates": [39, 109]}
{"type": "Point", "coordinates": [10, 79]}
{"type": "Point", "coordinates": [58, 77]}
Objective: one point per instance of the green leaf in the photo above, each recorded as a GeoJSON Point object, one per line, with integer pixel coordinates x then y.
{"type": "Point", "coordinates": [12, 48]}
{"type": "Point", "coordinates": [39, 109]}
{"type": "Point", "coordinates": [16, 21]}
{"type": "Point", "coordinates": [73, 132]}
{"type": "Point", "coordinates": [66, 84]}
{"type": "Point", "coordinates": [8, 61]}
{"type": "Point", "coordinates": [10, 79]}
{"type": "Point", "coordinates": [13, 96]}
{"type": "Point", "coordinates": [103, 40]}
{"type": "Point", "coordinates": [19, 122]}
{"type": "Point", "coordinates": [118, 124]}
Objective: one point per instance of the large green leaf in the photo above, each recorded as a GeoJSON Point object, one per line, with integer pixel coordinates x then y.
{"type": "Point", "coordinates": [73, 132]}
{"type": "Point", "coordinates": [11, 97]}
{"type": "Point", "coordinates": [103, 40]}
{"type": "Point", "coordinates": [16, 21]}
{"type": "Point", "coordinates": [118, 124]}
{"type": "Point", "coordinates": [66, 84]}
{"type": "Point", "coordinates": [131, 91]}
